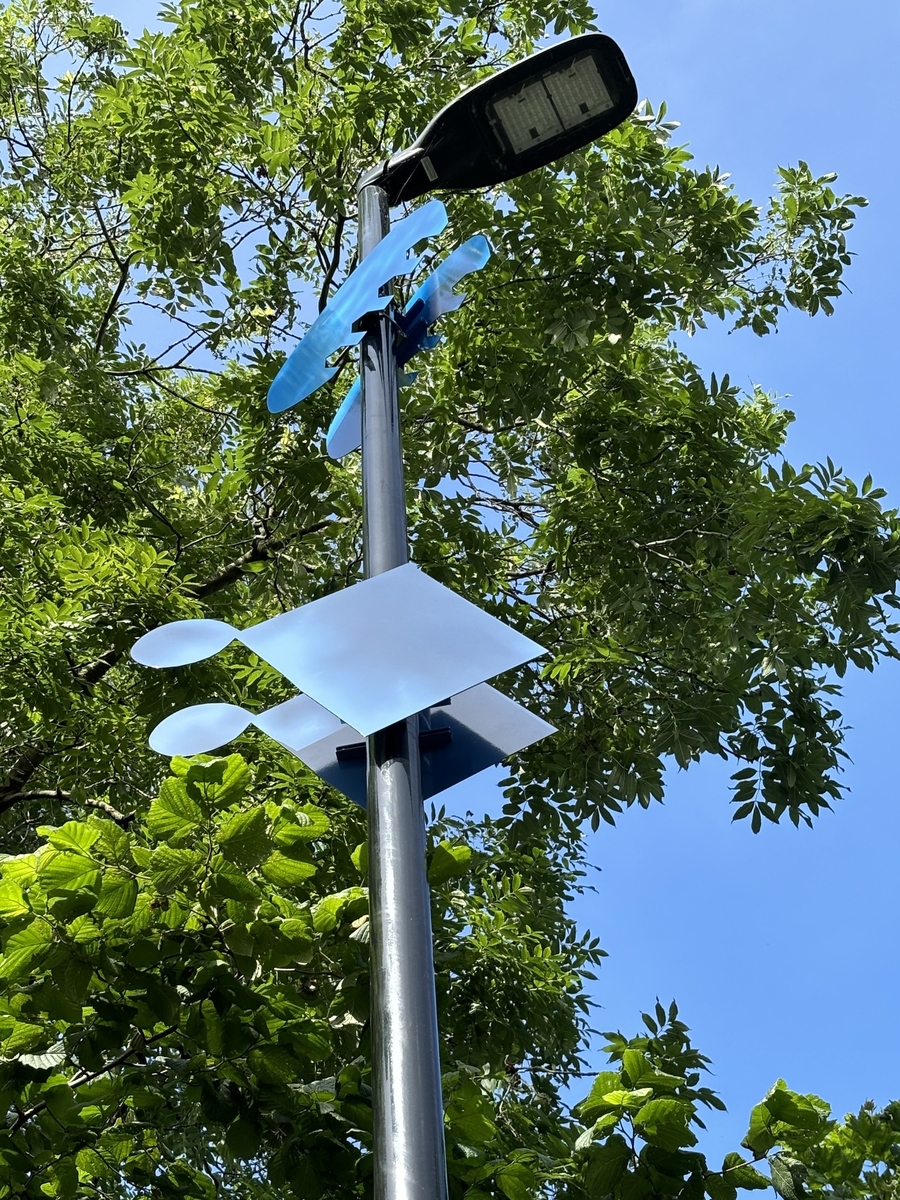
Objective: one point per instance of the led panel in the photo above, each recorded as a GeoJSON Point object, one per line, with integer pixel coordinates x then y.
{"type": "Point", "coordinates": [484, 728]}
{"type": "Point", "coordinates": [527, 116]}
{"type": "Point", "coordinates": [479, 139]}
{"type": "Point", "coordinates": [579, 93]}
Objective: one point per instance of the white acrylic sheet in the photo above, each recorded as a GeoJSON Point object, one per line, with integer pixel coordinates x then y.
{"type": "Point", "coordinates": [388, 647]}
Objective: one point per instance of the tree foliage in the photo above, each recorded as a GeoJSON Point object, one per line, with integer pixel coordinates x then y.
{"type": "Point", "coordinates": [190, 994]}
{"type": "Point", "coordinates": [185, 1013]}
{"type": "Point", "coordinates": [194, 186]}
{"type": "Point", "coordinates": [183, 964]}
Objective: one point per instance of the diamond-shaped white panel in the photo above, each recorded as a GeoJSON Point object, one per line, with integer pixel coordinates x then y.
{"type": "Point", "coordinates": [388, 647]}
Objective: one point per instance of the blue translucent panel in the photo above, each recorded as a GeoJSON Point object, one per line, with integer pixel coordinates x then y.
{"type": "Point", "coordinates": [345, 431]}
{"type": "Point", "coordinates": [298, 722]}
{"type": "Point", "coordinates": [307, 367]}
{"type": "Point", "coordinates": [435, 297]}
{"type": "Point", "coordinates": [182, 642]}
{"type": "Point", "coordinates": [483, 725]}
{"type": "Point", "coordinates": [199, 729]}
{"type": "Point", "coordinates": [388, 647]}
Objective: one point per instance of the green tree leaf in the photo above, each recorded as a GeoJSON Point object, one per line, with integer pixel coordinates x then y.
{"type": "Point", "coordinates": [118, 893]}
{"type": "Point", "coordinates": [12, 902]}
{"type": "Point", "coordinates": [721, 1187]}
{"type": "Point", "coordinates": [636, 1066]}
{"type": "Point", "coordinates": [448, 861]}
{"type": "Point", "coordinates": [788, 1176]}
{"type": "Point", "coordinates": [169, 867]}
{"type": "Point", "coordinates": [360, 858]}
{"type": "Point", "coordinates": [595, 1103]}
{"type": "Point", "coordinates": [665, 1123]}
{"type": "Point", "coordinates": [74, 835]}
{"type": "Point", "coordinates": [310, 823]}
{"type": "Point", "coordinates": [244, 837]}
{"type": "Point", "coordinates": [23, 949]}
{"type": "Point", "coordinates": [21, 1038]}
{"type": "Point", "coordinates": [215, 783]}
{"type": "Point", "coordinates": [242, 1138]}
{"type": "Point", "coordinates": [515, 1180]}
{"type": "Point", "coordinates": [742, 1174]}
{"type": "Point", "coordinates": [174, 817]}
{"type": "Point", "coordinates": [213, 1025]}
{"type": "Point", "coordinates": [274, 1065]}
{"type": "Point", "coordinates": [606, 1165]}
{"type": "Point", "coordinates": [229, 882]}
{"type": "Point", "coordinates": [329, 913]}
{"type": "Point", "coordinates": [61, 871]}
{"type": "Point", "coordinates": [287, 872]}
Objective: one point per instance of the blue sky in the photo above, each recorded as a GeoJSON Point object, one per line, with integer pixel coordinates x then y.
{"type": "Point", "coordinates": [781, 949]}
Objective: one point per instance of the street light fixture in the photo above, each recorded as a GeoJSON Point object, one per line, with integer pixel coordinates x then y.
{"type": "Point", "coordinates": [519, 119]}
{"type": "Point", "coordinates": [524, 117]}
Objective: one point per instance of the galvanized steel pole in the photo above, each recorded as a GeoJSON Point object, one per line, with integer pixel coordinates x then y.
{"type": "Point", "coordinates": [408, 1110]}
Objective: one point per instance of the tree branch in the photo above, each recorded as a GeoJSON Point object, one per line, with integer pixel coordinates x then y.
{"type": "Point", "coordinates": [124, 268]}
{"type": "Point", "coordinates": [26, 765]}
{"type": "Point", "coordinates": [335, 261]}
{"type": "Point", "coordinates": [261, 550]}
{"type": "Point", "coordinates": [83, 1077]}
{"type": "Point", "coordinates": [66, 798]}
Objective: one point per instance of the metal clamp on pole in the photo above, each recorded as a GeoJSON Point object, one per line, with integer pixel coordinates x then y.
{"type": "Point", "coordinates": [408, 1110]}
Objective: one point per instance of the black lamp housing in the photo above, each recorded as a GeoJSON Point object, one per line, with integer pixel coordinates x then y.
{"type": "Point", "coordinates": [522, 118]}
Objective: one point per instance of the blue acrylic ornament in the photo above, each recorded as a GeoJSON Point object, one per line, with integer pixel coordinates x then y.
{"type": "Point", "coordinates": [307, 367]}
{"type": "Point", "coordinates": [435, 297]}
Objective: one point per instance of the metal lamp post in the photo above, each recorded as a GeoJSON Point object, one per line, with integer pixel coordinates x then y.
{"type": "Point", "coordinates": [369, 655]}
{"type": "Point", "coordinates": [408, 1117]}
{"type": "Point", "coordinates": [521, 118]}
